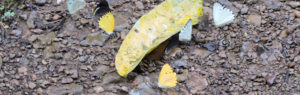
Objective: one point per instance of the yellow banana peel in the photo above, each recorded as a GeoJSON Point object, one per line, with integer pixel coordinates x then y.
{"type": "Point", "coordinates": [152, 29]}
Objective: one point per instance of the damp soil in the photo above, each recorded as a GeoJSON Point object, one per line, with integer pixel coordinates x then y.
{"type": "Point", "coordinates": [45, 50]}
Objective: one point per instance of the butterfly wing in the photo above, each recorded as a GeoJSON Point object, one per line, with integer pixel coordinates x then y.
{"type": "Point", "coordinates": [222, 15]}
{"type": "Point", "coordinates": [75, 5]}
{"type": "Point", "coordinates": [107, 23]}
{"type": "Point", "coordinates": [173, 43]}
{"type": "Point", "coordinates": [102, 8]}
{"type": "Point", "coordinates": [153, 28]}
{"type": "Point", "coordinates": [167, 78]}
{"type": "Point", "coordinates": [186, 32]}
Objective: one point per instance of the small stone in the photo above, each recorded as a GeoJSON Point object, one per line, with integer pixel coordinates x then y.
{"type": "Point", "coordinates": [98, 89]}
{"type": "Point", "coordinates": [222, 54]}
{"type": "Point", "coordinates": [16, 32]}
{"type": "Point", "coordinates": [291, 65]}
{"type": "Point", "coordinates": [297, 59]}
{"type": "Point", "coordinates": [125, 88]}
{"type": "Point", "coordinates": [297, 21]}
{"type": "Point", "coordinates": [138, 79]}
{"type": "Point", "coordinates": [254, 19]}
{"type": "Point", "coordinates": [44, 62]}
{"type": "Point", "coordinates": [1, 74]}
{"type": "Point", "coordinates": [272, 4]}
{"type": "Point", "coordinates": [84, 21]}
{"type": "Point", "coordinates": [283, 34]}
{"type": "Point", "coordinates": [297, 34]}
{"type": "Point", "coordinates": [297, 14]}
{"type": "Point", "coordinates": [225, 2]}
{"type": "Point", "coordinates": [139, 5]}
{"type": "Point", "coordinates": [47, 17]}
{"type": "Point", "coordinates": [73, 73]}
{"type": "Point", "coordinates": [179, 64]}
{"type": "Point", "coordinates": [12, 55]}
{"type": "Point", "coordinates": [5, 59]}
{"type": "Point", "coordinates": [24, 61]}
{"type": "Point", "coordinates": [81, 58]}
{"type": "Point", "coordinates": [196, 82]}
{"type": "Point", "coordinates": [37, 31]}
{"type": "Point", "coordinates": [66, 80]}
{"type": "Point", "coordinates": [272, 58]}
{"type": "Point", "coordinates": [33, 38]}
{"type": "Point", "coordinates": [264, 74]}
{"type": "Point", "coordinates": [31, 85]}
{"type": "Point", "coordinates": [59, 1]}
{"type": "Point", "coordinates": [291, 28]}
{"type": "Point", "coordinates": [294, 4]}
{"type": "Point", "coordinates": [83, 67]}
{"type": "Point", "coordinates": [30, 20]}
{"type": "Point", "coordinates": [270, 79]}
{"type": "Point", "coordinates": [1, 62]}
{"type": "Point", "coordinates": [24, 16]}
{"type": "Point", "coordinates": [39, 91]}
{"type": "Point", "coordinates": [33, 77]}
{"type": "Point", "coordinates": [64, 89]}
{"type": "Point", "coordinates": [101, 69]}
{"type": "Point", "coordinates": [56, 17]}
{"type": "Point", "coordinates": [143, 89]}
{"type": "Point", "coordinates": [201, 52]}
{"type": "Point", "coordinates": [53, 80]}
{"type": "Point", "coordinates": [183, 77]}
{"type": "Point", "coordinates": [244, 10]}
{"type": "Point", "coordinates": [63, 62]}
{"type": "Point", "coordinates": [211, 46]}
{"type": "Point", "coordinates": [238, 5]}
{"type": "Point", "coordinates": [15, 82]}
{"type": "Point", "coordinates": [40, 2]}
{"type": "Point", "coordinates": [94, 39]}
{"type": "Point", "coordinates": [111, 77]}
{"type": "Point", "coordinates": [47, 38]}
{"type": "Point", "coordinates": [123, 35]}
{"type": "Point", "coordinates": [22, 69]}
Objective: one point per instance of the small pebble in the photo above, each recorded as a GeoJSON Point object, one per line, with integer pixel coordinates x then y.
{"type": "Point", "coordinates": [222, 54]}
{"type": "Point", "coordinates": [139, 5]}
{"type": "Point", "coordinates": [16, 32]}
{"type": "Point", "coordinates": [31, 85]}
{"type": "Point", "coordinates": [39, 91]}
{"type": "Point", "coordinates": [84, 21]}
{"type": "Point", "coordinates": [297, 14]}
{"type": "Point", "coordinates": [254, 19]}
{"type": "Point", "coordinates": [294, 4]}
{"type": "Point", "coordinates": [40, 2]}
{"type": "Point", "coordinates": [66, 80]}
{"type": "Point", "coordinates": [270, 79]}
{"type": "Point", "coordinates": [56, 17]}
{"type": "Point", "coordinates": [98, 89]}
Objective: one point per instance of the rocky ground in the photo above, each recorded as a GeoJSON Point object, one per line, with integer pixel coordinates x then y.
{"type": "Point", "coordinates": [46, 50]}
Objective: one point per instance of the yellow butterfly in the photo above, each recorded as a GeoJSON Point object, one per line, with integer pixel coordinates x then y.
{"type": "Point", "coordinates": [152, 29]}
{"type": "Point", "coordinates": [106, 21]}
{"type": "Point", "coordinates": [167, 78]}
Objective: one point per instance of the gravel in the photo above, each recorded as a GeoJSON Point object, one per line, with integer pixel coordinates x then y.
{"type": "Point", "coordinates": [258, 53]}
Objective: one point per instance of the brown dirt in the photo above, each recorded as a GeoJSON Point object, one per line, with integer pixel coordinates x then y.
{"type": "Point", "coordinates": [256, 54]}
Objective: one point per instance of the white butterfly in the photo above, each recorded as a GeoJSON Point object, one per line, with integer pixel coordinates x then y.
{"type": "Point", "coordinates": [75, 5]}
{"type": "Point", "coordinates": [186, 32]}
{"type": "Point", "coordinates": [222, 15]}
